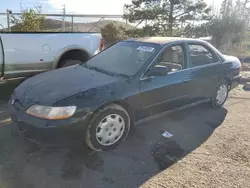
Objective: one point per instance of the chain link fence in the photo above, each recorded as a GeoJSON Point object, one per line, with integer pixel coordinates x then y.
{"type": "Point", "coordinates": [66, 22]}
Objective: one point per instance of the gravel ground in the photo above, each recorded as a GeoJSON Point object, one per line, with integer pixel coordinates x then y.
{"type": "Point", "coordinates": [223, 160]}
{"type": "Point", "coordinates": [210, 148]}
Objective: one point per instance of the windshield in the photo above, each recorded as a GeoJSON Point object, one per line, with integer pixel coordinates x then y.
{"type": "Point", "coordinates": [125, 58]}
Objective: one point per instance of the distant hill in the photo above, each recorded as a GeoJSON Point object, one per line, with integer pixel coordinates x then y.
{"type": "Point", "coordinates": [48, 24]}
{"type": "Point", "coordinates": [56, 26]}
{"type": "Point", "coordinates": [94, 26]}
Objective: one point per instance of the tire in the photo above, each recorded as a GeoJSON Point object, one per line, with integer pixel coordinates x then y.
{"type": "Point", "coordinates": [222, 90]}
{"type": "Point", "coordinates": [108, 128]}
{"type": "Point", "coordinates": [69, 62]}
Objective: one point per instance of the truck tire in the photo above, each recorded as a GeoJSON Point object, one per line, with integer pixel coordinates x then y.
{"type": "Point", "coordinates": [108, 128]}
{"type": "Point", "coordinates": [69, 62]}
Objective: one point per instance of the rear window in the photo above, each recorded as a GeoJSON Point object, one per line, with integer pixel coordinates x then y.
{"type": "Point", "coordinates": [201, 55]}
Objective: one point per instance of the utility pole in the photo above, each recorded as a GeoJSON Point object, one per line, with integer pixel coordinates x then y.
{"type": "Point", "coordinates": [63, 21]}
{"type": "Point", "coordinates": [213, 9]}
{"type": "Point", "coordinates": [21, 7]}
{"type": "Point", "coordinates": [171, 18]}
{"type": "Point", "coordinates": [72, 22]}
{"type": "Point", "coordinates": [8, 19]}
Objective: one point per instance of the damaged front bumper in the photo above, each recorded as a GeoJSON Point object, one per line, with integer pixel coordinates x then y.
{"type": "Point", "coordinates": [235, 81]}
{"type": "Point", "coordinates": [48, 132]}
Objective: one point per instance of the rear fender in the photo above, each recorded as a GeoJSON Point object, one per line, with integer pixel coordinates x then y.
{"type": "Point", "coordinates": [63, 51]}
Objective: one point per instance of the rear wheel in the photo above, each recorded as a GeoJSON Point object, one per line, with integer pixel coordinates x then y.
{"type": "Point", "coordinates": [220, 95]}
{"type": "Point", "coordinates": [108, 128]}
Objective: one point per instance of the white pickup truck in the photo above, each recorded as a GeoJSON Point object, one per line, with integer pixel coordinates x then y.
{"type": "Point", "coordinates": [26, 54]}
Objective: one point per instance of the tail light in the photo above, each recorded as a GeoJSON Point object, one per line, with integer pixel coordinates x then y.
{"type": "Point", "coordinates": [101, 44]}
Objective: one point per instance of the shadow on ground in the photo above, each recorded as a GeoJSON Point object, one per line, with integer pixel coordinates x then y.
{"type": "Point", "coordinates": [145, 153]}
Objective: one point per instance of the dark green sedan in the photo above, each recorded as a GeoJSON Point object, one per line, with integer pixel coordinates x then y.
{"type": "Point", "coordinates": [101, 99]}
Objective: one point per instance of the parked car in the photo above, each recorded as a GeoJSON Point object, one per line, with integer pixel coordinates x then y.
{"type": "Point", "coordinates": [28, 54]}
{"type": "Point", "coordinates": [126, 82]}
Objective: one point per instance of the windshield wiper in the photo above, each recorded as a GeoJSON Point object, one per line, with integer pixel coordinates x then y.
{"type": "Point", "coordinates": [103, 71]}
{"type": "Point", "coordinates": [91, 68]}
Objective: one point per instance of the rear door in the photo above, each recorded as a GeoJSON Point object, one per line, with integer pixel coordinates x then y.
{"type": "Point", "coordinates": [206, 70]}
{"type": "Point", "coordinates": [162, 93]}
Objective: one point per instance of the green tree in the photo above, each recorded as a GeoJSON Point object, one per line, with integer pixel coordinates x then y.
{"type": "Point", "coordinates": [168, 17]}
{"type": "Point", "coordinates": [113, 32]}
{"type": "Point", "coordinates": [31, 20]}
{"type": "Point", "coordinates": [230, 27]}
{"type": "Point", "coordinates": [227, 32]}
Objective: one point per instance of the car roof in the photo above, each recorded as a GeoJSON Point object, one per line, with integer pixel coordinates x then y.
{"type": "Point", "coordinates": [163, 40]}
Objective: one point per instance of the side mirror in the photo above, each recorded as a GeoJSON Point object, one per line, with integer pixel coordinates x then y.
{"type": "Point", "coordinates": [157, 70]}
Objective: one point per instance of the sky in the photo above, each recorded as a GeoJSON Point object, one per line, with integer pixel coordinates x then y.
{"type": "Point", "coordinates": [74, 6]}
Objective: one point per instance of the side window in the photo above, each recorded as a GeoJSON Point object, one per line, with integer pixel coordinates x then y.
{"type": "Point", "coordinates": [199, 55]}
{"type": "Point", "coordinates": [172, 58]}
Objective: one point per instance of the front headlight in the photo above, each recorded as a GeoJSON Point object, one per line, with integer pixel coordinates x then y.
{"type": "Point", "coordinates": [55, 113]}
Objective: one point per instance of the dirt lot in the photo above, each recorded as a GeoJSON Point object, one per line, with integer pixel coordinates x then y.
{"type": "Point", "coordinates": [223, 160]}
{"type": "Point", "coordinates": [210, 148]}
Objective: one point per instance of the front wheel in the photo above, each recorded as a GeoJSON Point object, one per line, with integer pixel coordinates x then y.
{"type": "Point", "coordinates": [108, 128]}
{"type": "Point", "coordinates": [221, 95]}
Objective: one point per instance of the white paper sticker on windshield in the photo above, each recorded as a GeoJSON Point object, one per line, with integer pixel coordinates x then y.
{"type": "Point", "coordinates": [145, 48]}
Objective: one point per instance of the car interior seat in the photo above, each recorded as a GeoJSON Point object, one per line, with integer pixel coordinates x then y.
{"type": "Point", "coordinates": [171, 60]}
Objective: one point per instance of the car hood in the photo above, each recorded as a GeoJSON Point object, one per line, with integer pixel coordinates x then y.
{"type": "Point", "coordinates": [53, 86]}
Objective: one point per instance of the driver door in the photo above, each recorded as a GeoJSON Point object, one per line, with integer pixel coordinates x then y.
{"type": "Point", "coordinates": [162, 93]}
